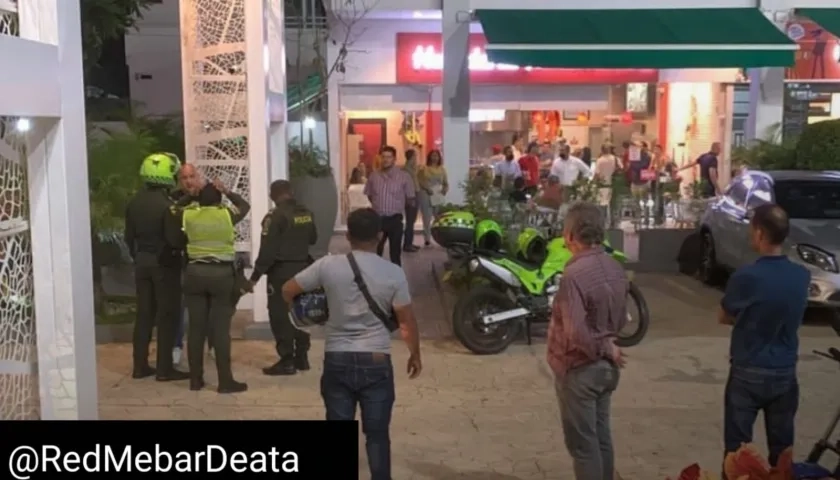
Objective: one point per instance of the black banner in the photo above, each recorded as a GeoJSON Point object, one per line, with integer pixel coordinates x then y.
{"type": "Point", "coordinates": [169, 449]}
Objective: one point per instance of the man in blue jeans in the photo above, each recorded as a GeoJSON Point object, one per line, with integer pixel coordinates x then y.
{"type": "Point", "coordinates": [765, 303]}
{"type": "Point", "coordinates": [357, 358]}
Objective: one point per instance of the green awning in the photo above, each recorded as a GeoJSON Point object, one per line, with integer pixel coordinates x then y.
{"type": "Point", "coordinates": [299, 94]}
{"type": "Point", "coordinates": [827, 18]}
{"type": "Point", "coordinates": [673, 38]}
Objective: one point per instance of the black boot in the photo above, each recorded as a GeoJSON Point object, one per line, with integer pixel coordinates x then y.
{"type": "Point", "coordinates": [302, 361]}
{"type": "Point", "coordinates": [232, 386]}
{"type": "Point", "coordinates": [196, 383]}
{"type": "Point", "coordinates": [283, 367]}
{"type": "Point", "coordinates": [143, 372]}
{"type": "Point", "coordinates": [172, 376]}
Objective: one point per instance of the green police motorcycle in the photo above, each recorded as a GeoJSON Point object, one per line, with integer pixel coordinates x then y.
{"type": "Point", "coordinates": [517, 288]}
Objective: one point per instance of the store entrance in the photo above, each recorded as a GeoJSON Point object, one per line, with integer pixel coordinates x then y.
{"type": "Point", "coordinates": [373, 133]}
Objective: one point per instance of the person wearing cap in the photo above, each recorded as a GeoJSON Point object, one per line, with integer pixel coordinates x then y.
{"type": "Point", "coordinates": [205, 230]}
{"type": "Point", "coordinates": [497, 156]}
{"type": "Point", "coordinates": [157, 268]}
{"type": "Point", "coordinates": [288, 231]}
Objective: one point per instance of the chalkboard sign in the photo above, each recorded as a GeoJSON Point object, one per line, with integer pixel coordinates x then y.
{"type": "Point", "coordinates": [797, 105]}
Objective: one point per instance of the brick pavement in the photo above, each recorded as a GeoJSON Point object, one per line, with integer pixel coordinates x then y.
{"type": "Point", "coordinates": [495, 417]}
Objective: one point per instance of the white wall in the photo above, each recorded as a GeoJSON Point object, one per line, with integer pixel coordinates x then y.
{"type": "Point", "coordinates": [372, 54]}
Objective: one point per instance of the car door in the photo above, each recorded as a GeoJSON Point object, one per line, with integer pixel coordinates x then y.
{"type": "Point", "coordinates": [732, 222]}
{"type": "Point", "coordinates": [761, 193]}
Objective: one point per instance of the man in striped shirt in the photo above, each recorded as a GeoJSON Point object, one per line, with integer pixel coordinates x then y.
{"type": "Point", "coordinates": [588, 312]}
{"type": "Point", "coordinates": [390, 190]}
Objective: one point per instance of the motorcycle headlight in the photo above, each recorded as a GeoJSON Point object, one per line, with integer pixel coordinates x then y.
{"type": "Point", "coordinates": [817, 257]}
{"type": "Point", "coordinates": [473, 265]}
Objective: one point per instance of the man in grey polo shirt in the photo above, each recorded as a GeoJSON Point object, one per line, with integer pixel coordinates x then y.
{"type": "Point", "coordinates": [357, 358]}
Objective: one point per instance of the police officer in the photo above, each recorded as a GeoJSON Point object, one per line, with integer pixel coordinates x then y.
{"type": "Point", "coordinates": [288, 231]}
{"type": "Point", "coordinates": [157, 268]}
{"type": "Point", "coordinates": [207, 234]}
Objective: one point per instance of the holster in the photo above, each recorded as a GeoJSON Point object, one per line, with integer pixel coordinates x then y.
{"type": "Point", "coordinates": [240, 282]}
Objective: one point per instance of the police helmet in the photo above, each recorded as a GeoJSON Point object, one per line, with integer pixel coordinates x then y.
{"type": "Point", "coordinates": [309, 309]}
{"type": "Point", "coordinates": [160, 168]}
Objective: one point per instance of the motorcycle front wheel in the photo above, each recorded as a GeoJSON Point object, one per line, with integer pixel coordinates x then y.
{"type": "Point", "coordinates": [472, 333]}
{"type": "Point", "coordinates": [638, 319]}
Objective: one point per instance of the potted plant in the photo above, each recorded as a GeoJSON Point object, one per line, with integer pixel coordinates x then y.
{"type": "Point", "coordinates": [315, 188]}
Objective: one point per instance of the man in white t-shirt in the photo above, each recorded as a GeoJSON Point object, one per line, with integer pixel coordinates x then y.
{"type": "Point", "coordinates": [568, 168]}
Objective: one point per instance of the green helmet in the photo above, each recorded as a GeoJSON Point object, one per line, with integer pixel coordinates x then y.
{"type": "Point", "coordinates": [160, 168]}
{"type": "Point", "coordinates": [531, 245]}
{"type": "Point", "coordinates": [488, 235]}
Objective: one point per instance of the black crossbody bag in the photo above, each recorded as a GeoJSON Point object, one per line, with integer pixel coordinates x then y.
{"type": "Point", "coordinates": [390, 321]}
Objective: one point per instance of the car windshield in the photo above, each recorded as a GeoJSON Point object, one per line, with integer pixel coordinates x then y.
{"type": "Point", "coordinates": [817, 200]}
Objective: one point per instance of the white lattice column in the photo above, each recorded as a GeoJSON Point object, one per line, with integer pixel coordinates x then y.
{"type": "Point", "coordinates": [58, 188]}
{"type": "Point", "coordinates": [215, 95]}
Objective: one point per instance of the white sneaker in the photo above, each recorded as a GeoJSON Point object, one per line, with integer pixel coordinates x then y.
{"type": "Point", "coordinates": [176, 356]}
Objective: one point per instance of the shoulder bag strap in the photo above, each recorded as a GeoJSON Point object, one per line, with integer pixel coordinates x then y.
{"type": "Point", "coordinates": [360, 282]}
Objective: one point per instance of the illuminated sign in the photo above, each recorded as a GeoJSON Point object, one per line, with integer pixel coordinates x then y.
{"type": "Point", "coordinates": [425, 57]}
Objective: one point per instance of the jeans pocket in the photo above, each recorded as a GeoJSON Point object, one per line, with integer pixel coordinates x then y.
{"type": "Point", "coordinates": [379, 379]}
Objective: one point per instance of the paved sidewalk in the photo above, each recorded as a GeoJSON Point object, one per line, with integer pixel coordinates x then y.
{"type": "Point", "coordinates": [495, 417]}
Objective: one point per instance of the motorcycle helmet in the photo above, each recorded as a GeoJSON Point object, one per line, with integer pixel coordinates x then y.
{"type": "Point", "coordinates": [531, 246]}
{"type": "Point", "coordinates": [160, 169]}
{"type": "Point", "coordinates": [488, 235]}
{"type": "Point", "coordinates": [309, 309]}
{"type": "Point", "coordinates": [453, 228]}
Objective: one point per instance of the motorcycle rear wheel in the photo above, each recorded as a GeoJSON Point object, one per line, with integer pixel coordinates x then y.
{"type": "Point", "coordinates": [466, 321]}
{"type": "Point", "coordinates": [636, 301]}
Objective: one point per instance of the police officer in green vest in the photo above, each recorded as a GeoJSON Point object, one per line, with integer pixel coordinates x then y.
{"type": "Point", "coordinates": [288, 231]}
{"type": "Point", "coordinates": [157, 268]}
{"type": "Point", "coordinates": [207, 230]}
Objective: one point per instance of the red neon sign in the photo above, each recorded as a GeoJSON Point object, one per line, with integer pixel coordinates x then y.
{"type": "Point", "coordinates": [420, 60]}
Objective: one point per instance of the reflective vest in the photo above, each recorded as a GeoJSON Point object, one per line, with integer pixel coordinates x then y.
{"type": "Point", "coordinates": [210, 233]}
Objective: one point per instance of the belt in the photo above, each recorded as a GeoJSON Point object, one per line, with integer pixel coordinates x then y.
{"type": "Point", "coordinates": [209, 262]}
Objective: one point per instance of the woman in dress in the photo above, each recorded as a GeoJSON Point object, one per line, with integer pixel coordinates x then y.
{"type": "Point", "coordinates": [434, 185]}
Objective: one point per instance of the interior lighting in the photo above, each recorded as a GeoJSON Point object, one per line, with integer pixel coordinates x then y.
{"type": "Point", "coordinates": [309, 123]}
{"type": "Point", "coordinates": [23, 125]}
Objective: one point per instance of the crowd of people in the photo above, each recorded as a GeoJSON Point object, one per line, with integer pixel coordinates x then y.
{"type": "Point", "coordinates": [545, 169]}
{"type": "Point", "coordinates": [181, 238]}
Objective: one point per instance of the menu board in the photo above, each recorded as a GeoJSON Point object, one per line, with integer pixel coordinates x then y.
{"type": "Point", "coordinates": [797, 105]}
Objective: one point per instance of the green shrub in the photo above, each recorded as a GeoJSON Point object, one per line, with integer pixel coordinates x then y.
{"type": "Point", "coordinates": [818, 148]}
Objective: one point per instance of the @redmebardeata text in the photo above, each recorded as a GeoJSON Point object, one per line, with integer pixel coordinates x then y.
{"type": "Point", "coordinates": [25, 460]}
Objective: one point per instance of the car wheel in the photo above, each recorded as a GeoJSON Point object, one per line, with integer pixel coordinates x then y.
{"type": "Point", "coordinates": [709, 271]}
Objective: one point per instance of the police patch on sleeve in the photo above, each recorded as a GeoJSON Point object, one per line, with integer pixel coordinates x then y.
{"type": "Point", "coordinates": [265, 224]}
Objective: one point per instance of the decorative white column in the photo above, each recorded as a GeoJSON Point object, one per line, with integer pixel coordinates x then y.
{"type": "Point", "coordinates": [767, 93]}
{"type": "Point", "coordinates": [456, 94]}
{"type": "Point", "coordinates": [61, 244]}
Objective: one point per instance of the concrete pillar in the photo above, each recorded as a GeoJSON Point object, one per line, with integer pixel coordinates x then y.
{"type": "Point", "coordinates": [275, 52]}
{"type": "Point", "coordinates": [767, 93]}
{"type": "Point", "coordinates": [257, 67]}
{"type": "Point", "coordinates": [456, 95]}
{"type": "Point", "coordinates": [767, 85]}
{"type": "Point", "coordinates": [61, 244]}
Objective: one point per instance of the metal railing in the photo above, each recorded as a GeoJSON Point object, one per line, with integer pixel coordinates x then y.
{"type": "Point", "coordinates": [305, 14]}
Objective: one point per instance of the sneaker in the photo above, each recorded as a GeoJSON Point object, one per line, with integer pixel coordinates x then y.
{"type": "Point", "coordinates": [177, 355]}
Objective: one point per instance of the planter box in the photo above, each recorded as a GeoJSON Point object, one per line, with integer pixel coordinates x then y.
{"type": "Point", "coordinates": [659, 249]}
